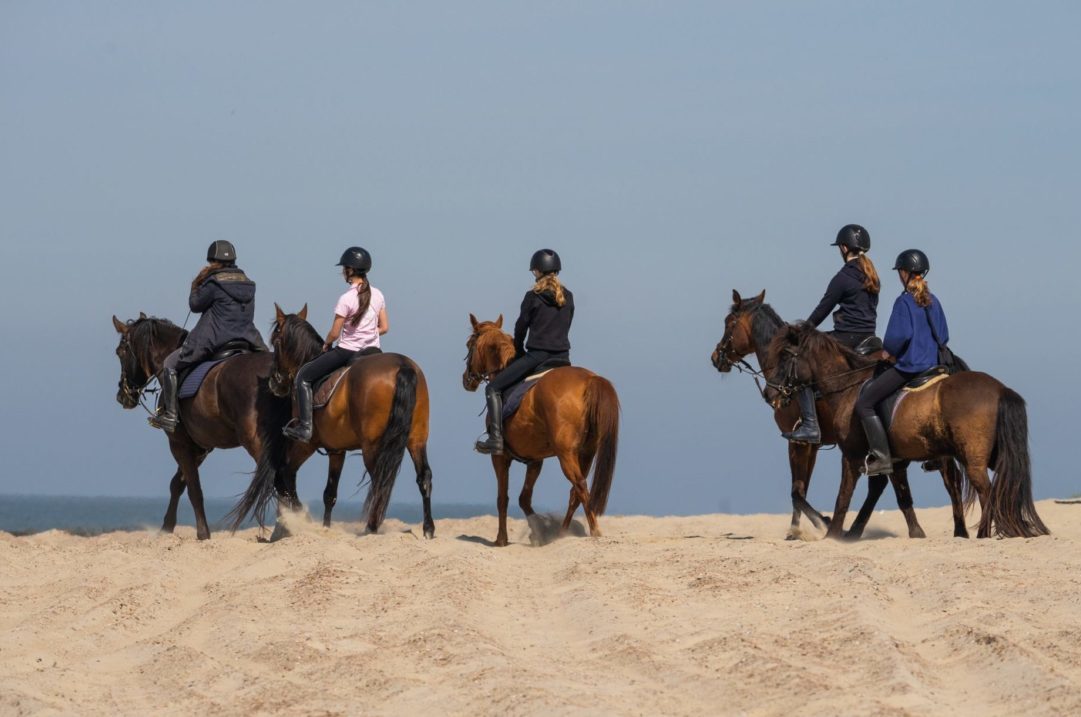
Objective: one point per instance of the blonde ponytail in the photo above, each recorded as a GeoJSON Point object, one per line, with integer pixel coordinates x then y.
{"type": "Point", "coordinates": [549, 283]}
{"type": "Point", "coordinates": [917, 286]}
{"type": "Point", "coordinates": [871, 282]}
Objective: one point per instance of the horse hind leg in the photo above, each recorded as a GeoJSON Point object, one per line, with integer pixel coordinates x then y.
{"type": "Point", "coordinates": [954, 482]}
{"type": "Point", "coordinates": [335, 464]}
{"type": "Point", "coordinates": [419, 455]}
{"type": "Point", "coordinates": [579, 490]}
{"type": "Point", "coordinates": [981, 481]}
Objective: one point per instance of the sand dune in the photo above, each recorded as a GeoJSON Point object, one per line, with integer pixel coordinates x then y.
{"type": "Point", "coordinates": [703, 615]}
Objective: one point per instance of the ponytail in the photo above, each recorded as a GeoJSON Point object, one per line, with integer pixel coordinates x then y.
{"type": "Point", "coordinates": [917, 286]}
{"type": "Point", "coordinates": [364, 300]}
{"type": "Point", "coordinates": [871, 282]}
{"type": "Point", "coordinates": [550, 283]}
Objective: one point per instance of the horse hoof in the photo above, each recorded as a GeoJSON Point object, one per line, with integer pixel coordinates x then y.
{"type": "Point", "coordinates": [826, 519]}
{"type": "Point", "coordinates": [793, 535]}
{"type": "Point", "coordinates": [917, 533]}
{"type": "Point", "coordinates": [501, 542]}
{"type": "Point", "coordinates": [429, 532]}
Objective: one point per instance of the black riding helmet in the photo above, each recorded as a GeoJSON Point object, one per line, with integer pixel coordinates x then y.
{"type": "Point", "coordinates": [221, 250]}
{"type": "Point", "coordinates": [356, 258]}
{"type": "Point", "coordinates": [545, 261]}
{"type": "Point", "coordinates": [853, 236]}
{"type": "Point", "coordinates": [913, 261]}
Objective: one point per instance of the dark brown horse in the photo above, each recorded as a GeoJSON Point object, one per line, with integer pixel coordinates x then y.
{"type": "Point", "coordinates": [572, 414]}
{"type": "Point", "coordinates": [748, 329]}
{"type": "Point", "coordinates": [234, 407]}
{"type": "Point", "coordinates": [380, 407]}
{"type": "Point", "coordinates": [968, 416]}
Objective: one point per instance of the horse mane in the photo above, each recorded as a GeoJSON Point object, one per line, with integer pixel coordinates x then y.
{"type": "Point", "coordinates": [808, 337]}
{"type": "Point", "coordinates": [765, 321]}
{"type": "Point", "coordinates": [148, 330]}
{"type": "Point", "coordinates": [500, 340]}
{"type": "Point", "coordinates": [301, 335]}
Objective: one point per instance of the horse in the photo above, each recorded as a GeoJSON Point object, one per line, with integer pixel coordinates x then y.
{"type": "Point", "coordinates": [571, 413]}
{"type": "Point", "coordinates": [380, 407]}
{"type": "Point", "coordinates": [969, 416]}
{"type": "Point", "coordinates": [749, 327]}
{"type": "Point", "coordinates": [234, 407]}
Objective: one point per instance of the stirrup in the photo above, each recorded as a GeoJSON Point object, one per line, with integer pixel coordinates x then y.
{"type": "Point", "coordinates": [297, 431]}
{"type": "Point", "coordinates": [163, 422]}
{"type": "Point", "coordinates": [489, 447]}
{"type": "Point", "coordinates": [867, 468]}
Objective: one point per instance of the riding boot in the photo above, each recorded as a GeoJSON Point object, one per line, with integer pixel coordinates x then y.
{"type": "Point", "coordinates": [878, 462]}
{"type": "Point", "coordinates": [167, 416]}
{"type": "Point", "coordinates": [808, 431]}
{"type": "Point", "coordinates": [493, 443]}
{"type": "Point", "coordinates": [300, 428]}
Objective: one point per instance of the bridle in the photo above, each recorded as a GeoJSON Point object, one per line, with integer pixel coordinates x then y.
{"type": "Point", "coordinates": [740, 364]}
{"type": "Point", "coordinates": [791, 385]}
{"type": "Point", "coordinates": [473, 376]}
{"type": "Point", "coordinates": [137, 394]}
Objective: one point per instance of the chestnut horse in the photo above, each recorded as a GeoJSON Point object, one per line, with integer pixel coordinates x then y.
{"type": "Point", "coordinates": [748, 329]}
{"type": "Point", "coordinates": [969, 416]}
{"type": "Point", "coordinates": [380, 407]}
{"type": "Point", "coordinates": [572, 414]}
{"type": "Point", "coordinates": [234, 407]}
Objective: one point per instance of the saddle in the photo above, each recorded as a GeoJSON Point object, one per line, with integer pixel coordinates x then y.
{"type": "Point", "coordinates": [513, 396]}
{"type": "Point", "coordinates": [323, 390]}
{"type": "Point", "coordinates": [887, 409]}
{"type": "Point", "coordinates": [870, 345]}
{"type": "Point", "coordinates": [191, 379]}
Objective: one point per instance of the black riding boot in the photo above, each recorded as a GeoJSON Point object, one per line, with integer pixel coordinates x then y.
{"type": "Point", "coordinates": [879, 462]}
{"type": "Point", "coordinates": [300, 428]}
{"type": "Point", "coordinates": [493, 444]}
{"type": "Point", "coordinates": [167, 416]}
{"type": "Point", "coordinates": [808, 431]}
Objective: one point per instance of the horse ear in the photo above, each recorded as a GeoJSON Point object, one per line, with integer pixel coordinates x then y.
{"type": "Point", "coordinates": [279, 315]}
{"type": "Point", "coordinates": [736, 298]}
{"type": "Point", "coordinates": [303, 313]}
{"type": "Point", "coordinates": [473, 320]}
{"type": "Point", "coordinates": [142, 315]}
{"type": "Point", "coordinates": [499, 322]}
{"type": "Point", "coordinates": [761, 297]}
{"type": "Point", "coordinates": [121, 327]}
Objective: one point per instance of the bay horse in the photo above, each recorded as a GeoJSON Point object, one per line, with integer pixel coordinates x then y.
{"type": "Point", "coordinates": [380, 407]}
{"type": "Point", "coordinates": [234, 407]}
{"type": "Point", "coordinates": [571, 413]}
{"type": "Point", "coordinates": [749, 327]}
{"type": "Point", "coordinates": [969, 416]}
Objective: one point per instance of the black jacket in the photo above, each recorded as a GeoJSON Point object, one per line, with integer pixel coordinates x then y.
{"type": "Point", "coordinates": [858, 307]}
{"type": "Point", "coordinates": [226, 300]}
{"type": "Point", "coordinates": [548, 325]}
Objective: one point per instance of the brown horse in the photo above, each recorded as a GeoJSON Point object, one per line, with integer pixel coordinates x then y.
{"type": "Point", "coordinates": [748, 329]}
{"type": "Point", "coordinates": [572, 414]}
{"type": "Point", "coordinates": [380, 407]}
{"type": "Point", "coordinates": [969, 416]}
{"type": "Point", "coordinates": [234, 407]}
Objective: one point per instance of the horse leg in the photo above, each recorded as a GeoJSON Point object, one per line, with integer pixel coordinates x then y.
{"type": "Point", "coordinates": [335, 464]}
{"type": "Point", "coordinates": [904, 500]}
{"type": "Point", "coordinates": [176, 489]}
{"type": "Point", "coordinates": [419, 454]}
{"type": "Point", "coordinates": [573, 471]}
{"type": "Point", "coordinates": [525, 499]}
{"type": "Point", "coordinates": [801, 462]}
{"type": "Point", "coordinates": [981, 481]}
{"type": "Point", "coordinates": [501, 464]}
{"type": "Point", "coordinates": [953, 481]}
{"type": "Point", "coordinates": [875, 486]}
{"type": "Point", "coordinates": [184, 451]}
{"type": "Point", "coordinates": [850, 474]}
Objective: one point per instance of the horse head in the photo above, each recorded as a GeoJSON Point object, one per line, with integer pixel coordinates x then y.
{"type": "Point", "coordinates": [738, 340]}
{"type": "Point", "coordinates": [489, 350]}
{"type": "Point", "coordinates": [295, 343]}
{"type": "Point", "coordinates": [144, 344]}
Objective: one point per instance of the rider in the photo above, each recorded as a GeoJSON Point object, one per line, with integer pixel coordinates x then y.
{"type": "Point", "coordinates": [225, 297]}
{"type": "Point", "coordinates": [855, 288]}
{"type": "Point", "coordinates": [546, 315]}
{"type": "Point", "coordinates": [916, 320]}
{"type": "Point", "coordinates": [360, 318]}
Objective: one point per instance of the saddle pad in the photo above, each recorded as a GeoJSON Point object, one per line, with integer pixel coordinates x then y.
{"type": "Point", "coordinates": [194, 379]}
{"type": "Point", "coordinates": [325, 388]}
{"type": "Point", "coordinates": [512, 397]}
{"type": "Point", "coordinates": [887, 410]}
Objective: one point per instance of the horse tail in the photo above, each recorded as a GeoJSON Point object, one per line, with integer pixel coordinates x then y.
{"type": "Point", "coordinates": [263, 487]}
{"type": "Point", "coordinates": [392, 445]}
{"type": "Point", "coordinates": [1010, 511]}
{"type": "Point", "coordinates": [603, 406]}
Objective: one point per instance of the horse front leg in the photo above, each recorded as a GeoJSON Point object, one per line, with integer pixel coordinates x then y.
{"type": "Point", "coordinates": [176, 489]}
{"type": "Point", "coordinates": [525, 499]}
{"type": "Point", "coordinates": [335, 464]}
{"type": "Point", "coordinates": [501, 464]}
{"type": "Point", "coordinates": [875, 487]}
{"type": "Point", "coordinates": [801, 462]}
{"type": "Point", "coordinates": [904, 500]}
{"type": "Point", "coordinates": [419, 454]}
{"type": "Point", "coordinates": [850, 474]}
{"type": "Point", "coordinates": [188, 457]}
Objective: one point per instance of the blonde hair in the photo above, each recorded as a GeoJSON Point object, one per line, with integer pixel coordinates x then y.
{"type": "Point", "coordinates": [871, 282]}
{"type": "Point", "coordinates": [550, 283]}
{"type": "Point", "coordinates": [917, 286]}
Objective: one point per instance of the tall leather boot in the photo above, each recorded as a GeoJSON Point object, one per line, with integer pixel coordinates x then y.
{"type": "Point", "coordinates": [808, 431]}
{"type": "Point", "coordinates": [300, 428]}
{"type": "Point", "coordinates": [879, 462]}
{"type": "Point", "coordinates": [493, 443]}
{"type": "Point", "coordinates": [167, 416]}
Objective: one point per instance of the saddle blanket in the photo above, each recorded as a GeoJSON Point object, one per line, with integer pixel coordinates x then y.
{"type": "Point", "coordinates": [512, 399]}
{"type": "Point", "coordinates": [887, 410]}
{"type": "Point", "coordinates": [194, 379]}
{"type": "Point", "coordinates": [325, 387]}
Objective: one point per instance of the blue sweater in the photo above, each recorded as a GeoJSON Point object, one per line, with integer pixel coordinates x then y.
{"type": "Point", "coordinates": [908, 335]}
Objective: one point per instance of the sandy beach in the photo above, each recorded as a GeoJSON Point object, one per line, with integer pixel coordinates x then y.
{"type": "Point", "coordinates": [713, 614]}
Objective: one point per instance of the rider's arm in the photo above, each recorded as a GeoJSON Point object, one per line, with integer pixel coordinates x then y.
{"type": "Point", "coordinates": [521, 327]}
{"type": "Point", "coordinates": [202, 293]}
{"type": "Point", "coordinates": [335, 332]}
{"type": "Point", "coordinates": [832, 297]}
{"type": "Point", "coordinates": [384, 322]}
{"type": "Point", "coordinates": [899, 330]}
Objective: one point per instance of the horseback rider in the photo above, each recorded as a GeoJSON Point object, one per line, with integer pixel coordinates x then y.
{"type": "Point", "coordinates": [225, 297]}
{"type": "Point", "coordinates": [855, 290]}
{"type": "Point", "coordinates": [541, 335]}
{"type": "Point", "coordinates": [360, 318]}
{"type": "Point", "coordinates": [916, 320]}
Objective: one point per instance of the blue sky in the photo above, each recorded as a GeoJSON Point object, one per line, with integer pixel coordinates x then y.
{"type": "Point", "coordinates": [669, 151]}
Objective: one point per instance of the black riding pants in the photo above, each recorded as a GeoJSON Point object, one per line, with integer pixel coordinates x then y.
{"type": "Point", "coordinates": [849, 339]}
{"type": "Point", "coordinates": [521, 367]}
{"type": "Point", "coordinates": [328, 362]}
{"type": "Point", "coordinates": [879, 389]}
